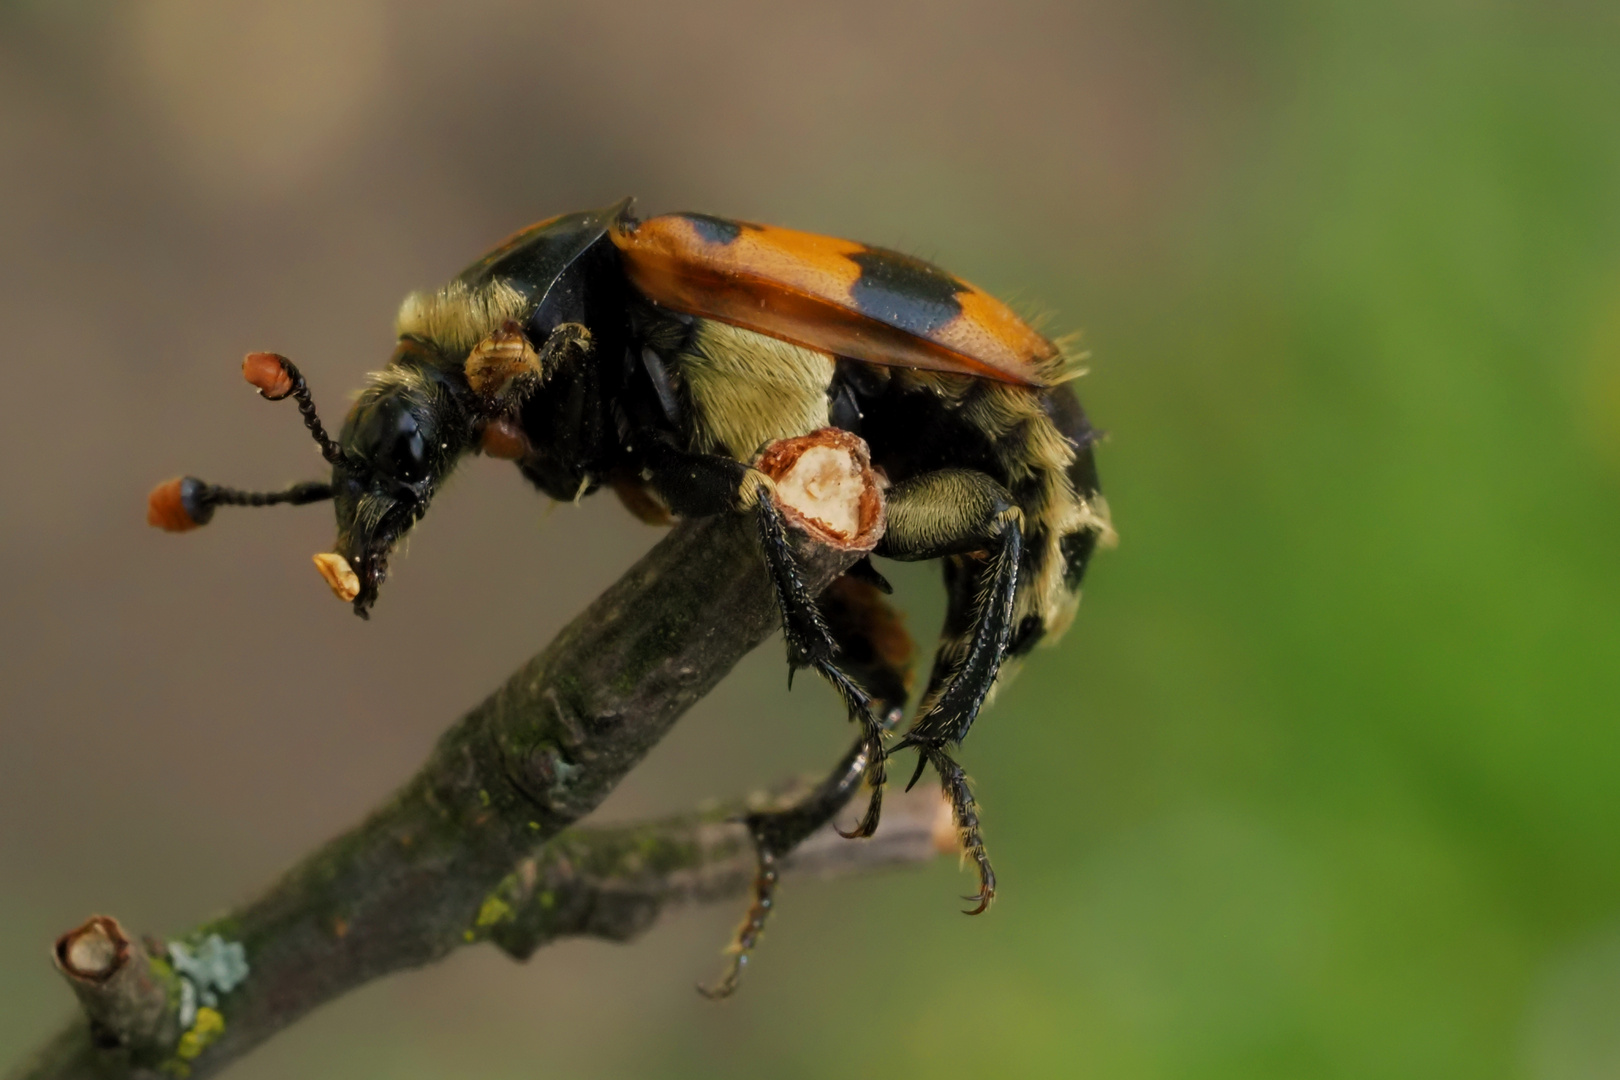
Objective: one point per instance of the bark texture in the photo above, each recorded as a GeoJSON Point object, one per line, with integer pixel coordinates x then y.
{"type": "Point", "coordinates": [473, 847]}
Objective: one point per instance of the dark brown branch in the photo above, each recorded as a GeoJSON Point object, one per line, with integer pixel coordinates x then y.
{"type": "Point", "coordinates": [430, 869]}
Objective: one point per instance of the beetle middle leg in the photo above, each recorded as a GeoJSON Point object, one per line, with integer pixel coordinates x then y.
{"type": "Point", "coordinates": [699, 485]}
{"type": "Point", "coordinates": [958, 514]}
{"type": "Point", "coordinates": [877, 650]}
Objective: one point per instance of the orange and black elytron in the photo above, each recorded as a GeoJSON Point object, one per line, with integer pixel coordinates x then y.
{"type": "Point", "coordinates": [658, 357]}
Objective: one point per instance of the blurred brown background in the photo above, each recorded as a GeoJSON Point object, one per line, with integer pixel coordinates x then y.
{"type": "Point", "coordinates": [1321, 784]}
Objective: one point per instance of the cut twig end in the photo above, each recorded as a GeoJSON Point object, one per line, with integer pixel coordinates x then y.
{"type": "Point", "coordinates": [128, 1002]}
{"type": "Point", "coordinates": [826, 486]}
{"type": "Point", "coordinates": [93, 952]}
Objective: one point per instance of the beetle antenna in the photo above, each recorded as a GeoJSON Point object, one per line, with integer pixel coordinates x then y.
{"type": "Point", "coordinates": [186, 502]}
{"type": "Point", "coordinates": [277, 377]}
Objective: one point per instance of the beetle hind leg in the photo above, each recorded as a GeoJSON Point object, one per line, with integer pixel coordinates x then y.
{"type": "Point", "coordinates": [965, 815]}
{"type": "Point", "coordinates": [973, 522]}
{"type": "Point", "coordinates": [775, 833]}
{"type": "Point", "coordinates": [950, 713]}
{"type": "Point", "coordinates": [950, 707]}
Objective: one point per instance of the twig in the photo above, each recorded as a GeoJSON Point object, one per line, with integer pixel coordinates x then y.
{"type": "Point", "coordinates": [461, 853]}
{"type": "Point", "coordinates": [614, 883]}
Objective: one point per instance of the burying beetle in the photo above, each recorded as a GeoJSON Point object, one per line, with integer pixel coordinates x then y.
{"type": "Point", "coordinates": [659, 358]}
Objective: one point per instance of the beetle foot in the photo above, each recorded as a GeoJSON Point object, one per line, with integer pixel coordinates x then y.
{"type": "Point", "coordinates": [964, 814]}
{"type": "Point", "coordinates": [876, 777]}
{"type": "Point", "coordinates": [777, 832]}
{"type": "Point", "coordinates": [870, 746]}
{"type": "Point", "coordinates": [753, 925]}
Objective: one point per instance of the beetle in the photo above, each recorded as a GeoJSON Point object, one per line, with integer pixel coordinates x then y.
{"type": "Point", "coordinates": [657, 357]}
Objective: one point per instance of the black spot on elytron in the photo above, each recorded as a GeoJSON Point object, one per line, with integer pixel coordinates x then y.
{"type": "Point", "coordinates": [714, 230]}
{"type": "Point", "coordinates": [904, 292]}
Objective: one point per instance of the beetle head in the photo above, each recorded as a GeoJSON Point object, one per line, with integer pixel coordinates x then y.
{"type": "Point", "coordinates": [403, 436]}
{"type": "Point", "coordinates": [401, 439]}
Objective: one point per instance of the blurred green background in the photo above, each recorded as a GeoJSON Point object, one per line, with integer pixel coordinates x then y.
{"type": "Point", "coordinates": [1325, 782]}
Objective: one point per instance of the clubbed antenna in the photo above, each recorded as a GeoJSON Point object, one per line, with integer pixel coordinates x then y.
{"type": "Point", "coordinates": [186, 502]}
{"type": "Point", "coordinates": [277, 377]}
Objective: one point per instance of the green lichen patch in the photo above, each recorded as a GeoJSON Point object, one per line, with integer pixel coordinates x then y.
{"type": "Point", "coordinates": [493, 911]}
{"type": "Point", "coordinates": [209, 1027]}
{"type": "Point", "coordinates": [204, 1031]}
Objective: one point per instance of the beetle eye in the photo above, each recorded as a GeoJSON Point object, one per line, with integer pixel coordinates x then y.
{"type": "Point", "coordinates": [390, 435]}
{"type": "Point", "coordinates": [405, 455]}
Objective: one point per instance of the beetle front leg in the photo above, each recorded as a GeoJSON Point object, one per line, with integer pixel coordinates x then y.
{"type": "Point", "coordinates": [505, 368]}
{"type": "Point", "coordinates": [703, 484]}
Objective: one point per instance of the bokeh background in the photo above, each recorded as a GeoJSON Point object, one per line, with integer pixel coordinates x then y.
{"type": "Point", "coordinates": [1324, 783]}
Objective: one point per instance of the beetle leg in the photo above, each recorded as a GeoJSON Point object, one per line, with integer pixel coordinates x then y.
{"type": "Point", "coordinates": [775, 833]}
{"type": "Point", "coordinates": [962, 594]}
{"type": "Point", "coordinates": [965, 813]}
{"type": "Point", "coordinates": [951, 513]}
{"type": "Point", "coordinates": [961, 679]}
{"type": "Point", "coordinates": [875, 648]}
{"type": "Point", "coordinates": [505, 368]}
{"type": "Point", "coordinates": [954, 512]}
{"type": "Point", "coordinates": [951, 714]}
{"type": "Point", "coordinates": [878, 652]}
{"type": "Point", "coordinates": [809, 642]}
